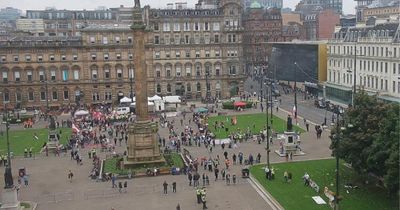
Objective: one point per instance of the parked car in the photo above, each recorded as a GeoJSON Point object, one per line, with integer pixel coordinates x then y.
{"type": "Point", "coordinates": [320, 103]}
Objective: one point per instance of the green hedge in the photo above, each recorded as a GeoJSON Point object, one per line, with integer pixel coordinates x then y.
{"type": "Point", "coordinates": [22, 118]}
{"type": "Point", "coordinates": [229, 105]}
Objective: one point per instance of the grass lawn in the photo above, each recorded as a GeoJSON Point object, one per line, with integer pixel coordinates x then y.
{"type": "Point", "coordinates": [255, 122]}
{"type": "Point", "coordinates": [173, 159]}
{"type": "Point", "coordinates": [21, 139]}
{"type": "Point", "coordinates": [295, 195]}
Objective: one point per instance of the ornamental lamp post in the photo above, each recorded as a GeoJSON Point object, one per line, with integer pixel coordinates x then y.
{"type": "Point", "coordinates": [8, 179]}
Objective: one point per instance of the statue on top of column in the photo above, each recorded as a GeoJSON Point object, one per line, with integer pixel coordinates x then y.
{"type": "Point", "coordinates": [137, 4]}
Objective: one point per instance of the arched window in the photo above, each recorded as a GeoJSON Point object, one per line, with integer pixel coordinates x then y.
{"type": "Point", "coordinates": [94, 72]}
{"type": "Point", "coordinates": [198, 70]}
{"type": "Point", "coordinates": [188, 68]}
{"type": "Point", "coordinates": [158, 71]}
{"type": "Point", "coordinates": [168, 71]}
{"type": "Point", "coordinates": [158, 88]}
{"type": "Point", "coordinates": [198, 87]}
{"type": "Point", "coordinates": [107, 72]}
{"type": "Point", "coordinates": [119, 71]}
{"type": "Point", "coordinates": [178, 69]}
{"type": "Point", "coordinates": [168, 88]}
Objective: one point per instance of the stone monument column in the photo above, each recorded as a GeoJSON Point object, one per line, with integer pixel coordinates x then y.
{"type": "Point", "coordinates": [140, 76]}
{"type": "Point", "coordinates": [142, 145]}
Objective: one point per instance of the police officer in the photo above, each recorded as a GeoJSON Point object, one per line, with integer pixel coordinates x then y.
{"type": "Point", "coordinates": [203, 199]}
{"type": "Point", "coordinates": [25, 152]}
{"type": "Point", "coordinates": [198, 194]}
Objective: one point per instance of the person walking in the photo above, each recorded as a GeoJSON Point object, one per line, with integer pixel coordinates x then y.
{"type": "Point", "coordinates": [70, 175]}
{"type": "Point", "coordinates": [165, 185]}
{"type": "Point", "coordinates": [120, 187]}
{"type": "Point", "coordinates": [198, 195]}
{"type": "Point", "coordinates": [240, 158]}
{"type": "Point", "coordinates": [113, 179]}
{"type": "Point", "coordinates": [178, 207]}
{"type": "Point", "coordinates": [26, 180]}
{"type": "Point", "coordinates": [216, 172]}
{"type": "Point", "coordinates": [125, 186]}
{"type": "Point", "coordinates": [203, 199]}
{"type": "Point", "coordinates": [174, 187]}
{"type": "Point", "coordinates": [190, 177]}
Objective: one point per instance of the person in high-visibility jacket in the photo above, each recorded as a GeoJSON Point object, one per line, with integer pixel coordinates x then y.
{"type": "Point", "coordinates": [198, 195]}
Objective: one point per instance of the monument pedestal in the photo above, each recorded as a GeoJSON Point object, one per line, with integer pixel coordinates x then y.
{"type": "Point", "coordinates": [9, 200]}
{"type": "Point", "coordinates": [53, 141]}
{"type": "Point", "coordinates": [291, 145]}
{"type": "Point", "coordinates": [142, 145]}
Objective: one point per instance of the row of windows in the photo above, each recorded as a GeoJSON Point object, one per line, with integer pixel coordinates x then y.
{"type": "Point", "coordinates": [368, 81]}
{"type": "Point", "coordinates": [365, 51]}
{"type": "Point", "coordinates": [366, 65]}
{"type": "Point", "coordinates": [187, 26]}
{"type": "Point", "coordinates": [188, 87]}
{"type": "Point", "coordinates": [54, 95]}
{"type": "Point", "coordinates": [39, 58]}
{"type": "Point", "coordinates": [106, 40]}
{"type": "Point", "coordinates": [198, 54]}
{"type": "Point", "coordinates": [196, 39]}
{"type": "Point", "coordinates": [42, 95]}
{"type": "Point", "coordinates": [42, 75]}
{"type": "Point", "coordinates": [208, 71]}
{"type": "Point", "coordinates": [52, 58]}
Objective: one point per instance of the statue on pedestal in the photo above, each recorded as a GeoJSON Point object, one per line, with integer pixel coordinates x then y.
{"type": "Point", "coordinates": [289, 123]}
{"type": "Point", "coordinates": [8, 179]}
{"type": "Point", "coordinates": [137, 4]}
{"type": "Point", "coordinates": [52, 125]}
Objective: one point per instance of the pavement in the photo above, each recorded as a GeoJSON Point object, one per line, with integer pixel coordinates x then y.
{"type": "Point", "coordinates": [49, 187]}
{"type": "Point", "coordinates": [305, 107]}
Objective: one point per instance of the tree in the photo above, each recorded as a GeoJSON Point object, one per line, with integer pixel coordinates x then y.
{"type": "Point", "coordinates": [371, 145]}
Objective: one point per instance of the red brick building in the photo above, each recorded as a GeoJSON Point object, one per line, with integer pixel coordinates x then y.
{"type": "Point", "coordinates": [326, 22]}
{"type": "Point", "coordinates": [321, 24]}
{"type": "Point", "coordinates": [261, 26]}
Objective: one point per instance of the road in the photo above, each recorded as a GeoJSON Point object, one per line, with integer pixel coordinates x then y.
{"type": "Point", "coordinates": [305, 108]}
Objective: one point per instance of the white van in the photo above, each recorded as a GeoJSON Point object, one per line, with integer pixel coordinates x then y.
{"type": "Point", "coordinates": [122, 110]}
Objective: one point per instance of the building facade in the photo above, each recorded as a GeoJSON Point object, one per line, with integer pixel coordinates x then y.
{"type": "Point", "coordinates": [34, 26]}
{"type": "Point", "coordinates": [194, 53]}
{"type": "Point", "coordinates": [301, 61]}
{"type": "Point", "coordinates": [307, 7]}
{"type": "Point", "coordinates": [374, 52]}
{"type": "Point", "coordinates": [69, 22]}
{"type": "Point", "coordinates": [265, 3]}
{"type": "Point", "coordinates": [9, 14]}
{"type": "Point", "coordinates": [261, 26]}
{"type": "Point", "coordinates": [197, 53]}
{"type": "Point", "coordinates": [93, 68]}
{"type": "Point", "coordinates": [320, 25]}
{"type": "Point", "coordinates": [385, 12]}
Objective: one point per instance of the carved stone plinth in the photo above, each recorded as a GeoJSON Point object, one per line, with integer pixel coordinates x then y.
{"type": "Point", "coordinates": [142, 145]}
{"type": "Point", "coordinates": [9, 200]}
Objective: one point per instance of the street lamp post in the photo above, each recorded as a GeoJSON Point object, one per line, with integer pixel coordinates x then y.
{"type": "Point", "coordinates": [354, 74]}
{"type": "Point", "coordinates": [47, 94]}
{"type": "Point", "coordinates": [131, 75]}
{"type": "Point", "coordinates": [295, 91]}
{"type": "Point", "coordinates": [207, 89]}
{"type": "Point", "coordinates": [8, 179]}
{"type": "Point", "coordinates": [266, 108]}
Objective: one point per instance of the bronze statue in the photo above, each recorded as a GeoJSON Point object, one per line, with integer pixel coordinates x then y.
{"type": "Point", "coordinates": [52, 125]}
{"type": "Point", "coordinates": [289, 123]}
{"type": "Point", "coordinates": [137, 4]}
{"type": "Point", "coordinates": [8, 179]}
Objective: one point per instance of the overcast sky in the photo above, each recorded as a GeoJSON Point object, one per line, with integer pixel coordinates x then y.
{"type": "Point", "coordinates": [348, 5]}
